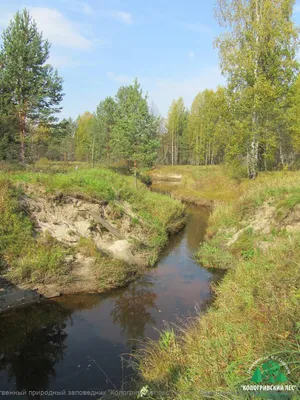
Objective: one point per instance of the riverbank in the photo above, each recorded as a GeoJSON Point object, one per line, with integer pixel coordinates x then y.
{"type": "Point", "coordinates": [80, 231]}
{"type": "Point", "coordinates": [83, 342]}
{"type": "Point", "coordinates": [202, 186]}
{"type": "Point", "coordinates": [256, 314]}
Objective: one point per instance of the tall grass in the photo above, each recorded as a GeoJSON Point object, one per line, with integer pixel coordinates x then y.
{"type": "Point", "coordinates": [257, 308]}
{"type": "Point", "coordinates": [27, 258]}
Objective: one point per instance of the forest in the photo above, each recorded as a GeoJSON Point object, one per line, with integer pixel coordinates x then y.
{"type": "Point", "coordinates": [251, 124]}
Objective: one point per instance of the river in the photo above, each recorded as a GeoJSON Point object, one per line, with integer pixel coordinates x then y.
{"type": "Point", "coordinates": [82, 342]}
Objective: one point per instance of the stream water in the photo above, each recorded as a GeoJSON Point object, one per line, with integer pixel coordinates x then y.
{"type": "Point", "coordinates": [82, 342]}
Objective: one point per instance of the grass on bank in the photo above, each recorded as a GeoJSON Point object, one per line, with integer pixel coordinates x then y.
{"type": "Point", "coordinates": [109, 272]}
{"type": "Point", "coordinates": [257, 307]}
{"type": "Point", "coordinates": [38, 259]}
{"type": "Point", "coordinates": [26, 257]}
{"type": "Point", "coordinates": [199, 184]}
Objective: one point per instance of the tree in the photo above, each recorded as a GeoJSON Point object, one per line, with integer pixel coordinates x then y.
{"type": "Point", "coordinates": [8, 144]}
{"type": "Point", "coordinates": [134, 135]}
{"type": "Point", "coordinates": [32, 87]}
{"type": "Point", "coordinates": [257, 55]}
{"type": "Point", "coordinates": [101, 128]}
{"type": "Point", "coordinates": [83, 137]}
{"type": "Point", "coordinates": [293, 121]}
{"type": "Point", "coordinates": [207, 127]}
{"type": "Point", "coordinates": [177, 118]}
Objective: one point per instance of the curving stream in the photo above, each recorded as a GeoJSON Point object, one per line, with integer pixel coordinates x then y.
{"type": "Point", "coordinates": [76, 342]}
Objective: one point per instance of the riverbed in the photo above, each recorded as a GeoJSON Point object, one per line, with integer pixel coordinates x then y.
{"type": "Point", "coordinates": [85, 342]}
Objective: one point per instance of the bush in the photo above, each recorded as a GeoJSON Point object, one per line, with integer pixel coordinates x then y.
{"type": "Point", "coordinates": [146, 179]}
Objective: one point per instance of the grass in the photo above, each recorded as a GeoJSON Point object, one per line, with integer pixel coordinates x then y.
{"type": "Point", "coordinates": [40, 259]}
{"type": "Point", "coordinates": [111, 273]}
{"type": "Point", "coordinates": [159, 213]}
{"type": "Point", "coordinates": [199, 184]}
{"type": "Point", "coordinates": [27, 258]}
{"type": "Point", "coordinates": [257, 308]}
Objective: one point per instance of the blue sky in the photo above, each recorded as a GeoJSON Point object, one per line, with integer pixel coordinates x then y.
{"type": "Point", "coordinates": [99, 45]}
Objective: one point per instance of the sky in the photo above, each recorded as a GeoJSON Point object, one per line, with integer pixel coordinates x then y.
{"type": "Point", "coordinates": [100, 45]}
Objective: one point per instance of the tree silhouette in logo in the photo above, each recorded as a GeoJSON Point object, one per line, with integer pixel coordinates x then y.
{"type": "Point", "coordinates": [270, 373]}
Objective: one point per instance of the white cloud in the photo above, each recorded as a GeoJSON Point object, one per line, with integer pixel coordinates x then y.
{"type": "Point", "coordinates": [58, 29]}
{"type": "Point", "coordinates": [122, 16]}
{"type": "Point", "coordinates": [191, 55]}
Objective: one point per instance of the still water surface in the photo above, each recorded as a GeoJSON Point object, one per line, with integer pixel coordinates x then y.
{"type": "Point", "coordinates": [82, 342]}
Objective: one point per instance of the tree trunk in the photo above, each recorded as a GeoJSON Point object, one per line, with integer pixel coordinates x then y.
{"type": "Point", "coordinates": [93, 152]}
{"type": "Point", "coordinates": [172, 149]}
{"type": "Point", "coordinates": [135, 173]}
{"type": "Point", "coordinates": [22, 118]}
{"type": "Point", "coordinates": [253, 159]}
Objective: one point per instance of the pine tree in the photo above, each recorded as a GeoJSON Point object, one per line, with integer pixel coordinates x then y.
{"type": "Point", "coordinates": [32, 87]}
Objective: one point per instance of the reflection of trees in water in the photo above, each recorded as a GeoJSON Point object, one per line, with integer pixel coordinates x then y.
{"type": "Point", "coordinates": [196, 226]}
{"type": "Point", "coordinates": [132, 309]}
{"type": "Point", "coordinates": [32, 341]}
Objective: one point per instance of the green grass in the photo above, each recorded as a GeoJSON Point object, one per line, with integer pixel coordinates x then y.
{"type": "Point", "coordinates": [27, 258]}
{"type": "Point", "coordinates": [40, 259]}
{"type": "Point", "coordinates": [199, 184]}
{"type": "Point", "coordinates": [257, 308]}
{"type": "Point", "coordinates": [159, 213]}
{"type": "Point", "coordinates": [111, 273]}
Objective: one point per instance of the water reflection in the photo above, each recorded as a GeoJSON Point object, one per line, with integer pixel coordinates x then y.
{"type": "Point", "coordinates": [32, 342]}
{"type": "Point", "coordinates": [75, 343]}
{"type": "Point", "coordinates": [133, 309]}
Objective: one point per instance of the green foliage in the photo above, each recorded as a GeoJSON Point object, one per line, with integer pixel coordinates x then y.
{"type": "Point", "coordinates": [30, 88]}
{"type": "Point", "coordinates": [212, 255]}
{"type": "Point", "coordinates": [102, 127]}
{"type": "Point", "coordinates": [176, 131]}
{"type": "Point", "coordinates": [146, 179]}
{"type": "Point", "coordinates": [28, 258]}
{"type": "Point", "coordinates": [167, 339]}
{"type": "Point", "coordinates": [134, 135]}
{"type": "Point", "coordinates": [258, 57]}
{"type": "Point", "coordinates": [83, 138]}
{"type": "Point", "coordinates": [207, 126]}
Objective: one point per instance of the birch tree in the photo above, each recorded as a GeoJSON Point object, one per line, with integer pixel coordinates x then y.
{"type": "Point", "coordinates": [257, 54]}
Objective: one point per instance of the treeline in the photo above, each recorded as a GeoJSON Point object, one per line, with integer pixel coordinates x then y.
{"type": "Point", "coordinates": [252, 124]}
{"type": "Point", "coordinates": [122, 129]}
{"type": "Point", "coordinates": [196, 136]}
